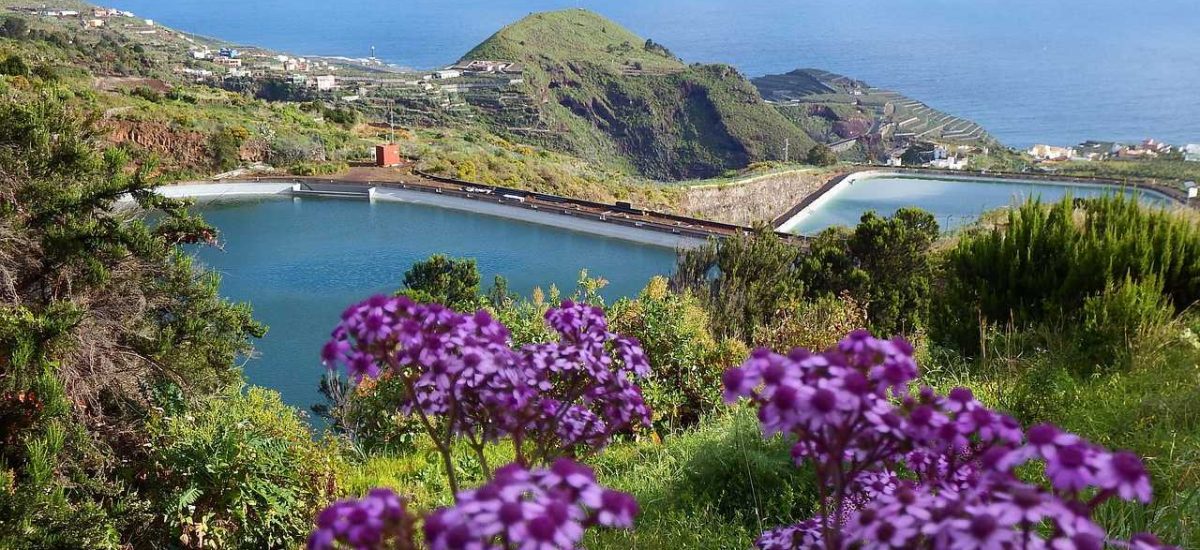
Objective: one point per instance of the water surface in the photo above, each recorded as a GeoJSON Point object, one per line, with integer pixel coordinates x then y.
{"type": "Point", "coordinates": [1058, 71]}
{"type": "Point", "coordinates": [300, 262]}
{"type": "Point", "coordinates": [954, 203]}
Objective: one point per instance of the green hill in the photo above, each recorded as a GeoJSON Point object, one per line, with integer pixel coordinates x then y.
{"type": "Point", "coordinates": [599, 91]}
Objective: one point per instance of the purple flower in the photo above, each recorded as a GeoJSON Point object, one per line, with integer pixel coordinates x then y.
{"type": "Point", "coordinates": [518, 508]}
{"type": "Point", "coordinates": [1068, 468]}
{"type": "Point", "coordinates": [1124, 473]}
{"type": "Point", "coordinates": [850, 412]}
{"type": "Point", "coordinates": [378, 520]}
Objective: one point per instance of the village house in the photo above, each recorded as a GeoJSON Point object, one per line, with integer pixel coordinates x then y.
{"type": "Point", "coordinates": [93, 23]}
{"type": "Point", "coordinates": [1050, 152]}
{"type": "Point", "coordinates": [1191, 152]}
{"type": "Point", "coordinates": [326, 82]}
{"type": "Point", "coordinates": [1096, 150]}
{"type": "Point", "coordinates": [447, 73]}
{"type": "Point", "coordinates": [227, 62]}
{"type": "Point", "coordinates": [950, 163]}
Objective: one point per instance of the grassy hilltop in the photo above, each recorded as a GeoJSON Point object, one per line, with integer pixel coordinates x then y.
{"type": "Point", "coordinates": [604, 93]}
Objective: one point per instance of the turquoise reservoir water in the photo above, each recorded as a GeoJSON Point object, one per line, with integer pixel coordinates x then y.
{"type": "Point", "coordinates": [953, 202]}
{"type": "Point", "coordinates": [300, 262]}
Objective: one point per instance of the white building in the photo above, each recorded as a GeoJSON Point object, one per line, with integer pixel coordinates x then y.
{"type": "Point", "coordinates": [950, 163]}
{"type": "Point", "coordinates": [326, 82]}
{"type": "Point", "coordinates": [1191, 152]}
{"type": "Point", "coordinates": [448, 73]}
{"type": "Point", "coordinates": [1050, 152]}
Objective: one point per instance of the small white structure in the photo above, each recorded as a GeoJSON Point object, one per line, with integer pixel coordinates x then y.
{"type": "Point", "coordinates": [1050, 152]}
{"type": "Point", "coordinates": [326, 82]}
{"type": "Point", "coordinates": [447, 73]}
{"type": "Point", "coordinates": [149, 22]}
{"type": "Point", "coordinates": [950, 163]}
{"type": "Point", "coordinates": [1191, 152]}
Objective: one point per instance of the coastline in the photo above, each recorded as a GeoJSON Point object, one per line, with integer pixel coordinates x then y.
{"type": "Point", "coordinates": [238, 190]}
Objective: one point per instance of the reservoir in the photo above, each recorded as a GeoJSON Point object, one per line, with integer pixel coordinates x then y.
{"type": "Point", "coordinates": [954, 202]}
{"type": "Point", "coordinates": [300, 262]}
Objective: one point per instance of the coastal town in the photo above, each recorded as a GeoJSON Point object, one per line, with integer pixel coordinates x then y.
{"type": "Point", "coordinates": [1089, 151]}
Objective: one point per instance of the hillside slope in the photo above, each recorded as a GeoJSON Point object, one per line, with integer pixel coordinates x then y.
{"type": "Point", "coordinates": [832, 107]}
{"type": "Point", "coordinates": [600, 91]}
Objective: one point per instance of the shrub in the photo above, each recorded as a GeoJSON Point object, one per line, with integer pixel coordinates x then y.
{"type": "Point", "coordinates": [675, 334]}
{"type": "Point", "coordinates": [1124, 316]}
{"type": "Point", "coordinates": [445, 280]}
{"type": "Point", "coordinates": [821, 155]}
{"type": "Point", "coordinates": [318, 168]}
{"type": "Point", "coordinates": [14, 65]}
{"type": "Point", "coordinates": [1045, 262]}
{"type": "Point", "coordinates": [226, 146]}
{"type": "Point", "coordinates": [239, 471]}
{"type": "Point", "coordinates": [815, 324]}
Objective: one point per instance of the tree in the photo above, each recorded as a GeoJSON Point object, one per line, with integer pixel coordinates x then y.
{"type": "Point", "coordinates": [101, 311]}
{"type": "Point", "coordinates": [821, 155]}
{"type": "Point", "coordinates": [449, 281]}
{"type": "Point", "coordinates": [884, 262]}
{"type": "Point", "coordinates": [743, 280]}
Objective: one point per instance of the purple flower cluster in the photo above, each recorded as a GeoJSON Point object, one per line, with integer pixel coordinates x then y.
{"type": "Point", "coordinates": [545, 509]}
{"type": "Point", "coordinates": [909, 469]}
{"type": "Point", "coordinates": [565, 397]}
{"type": "Point", "coordinates": [541, 509]}
{"type": "Point", "coordinates": [378, 520]}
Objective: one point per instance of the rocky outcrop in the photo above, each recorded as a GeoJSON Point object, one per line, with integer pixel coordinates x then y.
{"type": "Point", "coordinates": [176, 147]}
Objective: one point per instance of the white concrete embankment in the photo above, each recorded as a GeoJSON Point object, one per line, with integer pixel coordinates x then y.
{"type": "Point", "coordinates": [790, 225]}
{"type": "Point", "coordinates": [484, 205]}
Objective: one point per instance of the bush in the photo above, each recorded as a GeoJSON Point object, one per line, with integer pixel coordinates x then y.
{"type": "Point", "coordinates": [293, 150]}
{"type": "Point", "coordinates": [226, 146]}
{"type": "Point", "coordinates": [816, 324]}
{"type": "Point", "coordinates": [687, 361]}
{"type": "Point", "coordinates": [14, 65]}
{"type": "Point", "coordinates": [318, 168]}
{"type": "Point", "coordinates": [239, 471]}
{"type": "Point", "coordinates": [148, 94]}
{"type": "Point", "coordinates": [453, 282]}
{"type": "Point", "coordinates": [1045, 262]}
{"type": "Point", "coordinates": [715, 486]}
{"type": "Point", "coordinates": [821, 155]}
{"type": "Point", "coordinates": [1124, 317]}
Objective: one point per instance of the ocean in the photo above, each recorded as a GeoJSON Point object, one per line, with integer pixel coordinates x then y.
{"type": "Point", "coordinates": [1030, 71]}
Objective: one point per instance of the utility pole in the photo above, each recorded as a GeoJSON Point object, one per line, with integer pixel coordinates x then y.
{"type": "Point", "coordinates": [391, 124]}
{"type": "Point", "coordinates": [787, 149]}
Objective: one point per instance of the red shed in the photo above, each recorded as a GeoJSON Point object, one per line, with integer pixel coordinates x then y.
{"type": "Point", "coordinates": [387, 154]}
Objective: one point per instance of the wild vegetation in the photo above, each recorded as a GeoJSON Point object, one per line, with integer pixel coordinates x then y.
{"type": "Point", "coordinates": [126, 422]}
{"type": "Point", "coordinates": [617, 97]}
